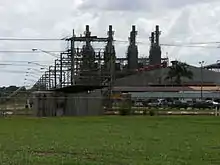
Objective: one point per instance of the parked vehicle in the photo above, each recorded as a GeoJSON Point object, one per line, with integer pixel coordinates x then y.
{"type": "Point", "coordinates": [202, 104]}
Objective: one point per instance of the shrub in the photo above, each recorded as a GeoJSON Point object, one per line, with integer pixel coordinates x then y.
{"type": "Point", "coordinates": [125, 109]}
{"type": "Point", "coordinates": [144, 112]}
{"type": "Point", "coordinates": [152, 113]}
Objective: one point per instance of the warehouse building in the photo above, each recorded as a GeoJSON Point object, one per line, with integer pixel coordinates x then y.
{"type": "Point", "coordinates": [186, 92]}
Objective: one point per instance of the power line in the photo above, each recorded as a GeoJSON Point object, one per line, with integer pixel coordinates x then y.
{"type": "Point", "coordinates": [25, 51]}
{"type": "Point", "coordinates": [190, 46]}
{"type": "Point", "coordinates": [24, 61]}
{"type": "Point", "coordinates": [12, 71]}
{"type": "Point", "coordinates": [32, 39]}
{"type": "Point", "coordinates": [122, 41]}
{"type": "Point", "coordinates": [16, 64]}
{"type": "Point", "coordinates": [20, 71]}
{"type": "Point", "coordinates": [198, 43]}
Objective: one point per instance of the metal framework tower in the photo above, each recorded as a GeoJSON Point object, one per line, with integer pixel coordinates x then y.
{"type": "Point", "coordinates": [85, 61]}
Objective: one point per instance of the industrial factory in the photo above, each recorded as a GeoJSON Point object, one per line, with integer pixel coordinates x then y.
{"type": "Point", "coordinates": [85, 78]}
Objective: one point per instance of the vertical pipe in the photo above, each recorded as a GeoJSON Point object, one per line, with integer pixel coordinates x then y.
{"type": "Point", "coordinates": [112, 64]}
{"type": "Point", "coordinates": [201, 90]}
{"type": "Point", "coordinates": [201, 82]}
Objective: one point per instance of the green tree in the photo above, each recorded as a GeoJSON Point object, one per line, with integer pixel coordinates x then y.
{"type": "Point", "coordinates": [177, 71]}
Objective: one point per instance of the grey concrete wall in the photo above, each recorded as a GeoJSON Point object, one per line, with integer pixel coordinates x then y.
{"type": "Point", "coordinates": [57, 104]}
{"type": "Point", "coordinates": [44, 104]}
{"type": "Point", "coordinates": [85, 104]}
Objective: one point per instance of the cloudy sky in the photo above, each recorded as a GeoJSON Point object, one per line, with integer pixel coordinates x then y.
{"type": "Point", "coordinates": [180, 22]}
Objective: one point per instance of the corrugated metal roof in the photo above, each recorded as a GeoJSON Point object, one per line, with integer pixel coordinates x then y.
{"type": "Point", "coordinates": [206, 88]}
{"type": "Point", "coordinates": [164, 89]}
{"type": "Point", "coordinates": [213, 66]}
{"type": "Point", "coordinates": [173, 94]}
{"type": "Point", "coordinates": [78, 88]}
{"type": "Point", "coordinates": [152, 89]}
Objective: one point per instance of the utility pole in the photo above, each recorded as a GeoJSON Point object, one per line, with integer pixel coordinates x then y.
{"type": "Point", "coordinates": [49, 76]}
{"type": "Point", "coordinates": [45, 80]}
{"type": "Point", "coordinates": [201, 91]}
{"type": "Point", "coordinates": [111, 53]}
{"type": "Point", "coordinates": [72, 58]}
{"type": "Point", "coordinates": [61, 70]}
{"type": "Point", "coordinates": [55, 74]}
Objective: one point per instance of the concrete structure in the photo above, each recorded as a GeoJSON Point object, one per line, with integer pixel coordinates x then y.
{"type": "Point", "coordinates": [65, 102]}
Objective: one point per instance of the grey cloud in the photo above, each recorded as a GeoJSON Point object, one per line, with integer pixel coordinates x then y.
{"type": "Point", "coordinates": [55, 19]}
{"type": "Point", "coordinates": [137, 5]}
{"type": "Point", "coordinates": [115, 4]}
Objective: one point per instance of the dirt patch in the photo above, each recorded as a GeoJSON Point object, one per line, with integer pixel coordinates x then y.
{"type": "Point", "coordinates": [88, 156]}
{"type": "Point", "coordinates": [51, 153]}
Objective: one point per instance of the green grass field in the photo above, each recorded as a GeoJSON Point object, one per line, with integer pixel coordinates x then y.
{"type": "Point", "coordinates": [110, 140]}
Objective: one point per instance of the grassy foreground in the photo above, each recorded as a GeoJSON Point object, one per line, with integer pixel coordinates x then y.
{"type": "Point", "coordinates": [110, 140]}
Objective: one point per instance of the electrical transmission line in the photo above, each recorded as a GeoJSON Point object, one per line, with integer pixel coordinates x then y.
{"type": "Point", "coordinates": [32, 39]}
{"type": "Point", "coordinates": [122, 41]}
{"type": "Point", "coordinates": [12, 71]}
{"type": "Point", "coordinates": [175, 43]}
{"type": "Point", "coordinates": [13, 61]}
{"type": "Point", "coordinates": [24, 51]}
{"type": "Point", "coordinates": [16, 64]}
{"type": "Point", "coordinates": [190, 46]}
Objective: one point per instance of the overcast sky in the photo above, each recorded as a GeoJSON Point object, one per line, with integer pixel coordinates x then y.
{"type": "Point", "coordinates": [180, 22]}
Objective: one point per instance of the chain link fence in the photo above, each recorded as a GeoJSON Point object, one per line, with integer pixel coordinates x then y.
{"type": "Point", "coordinates": [121, 105]}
